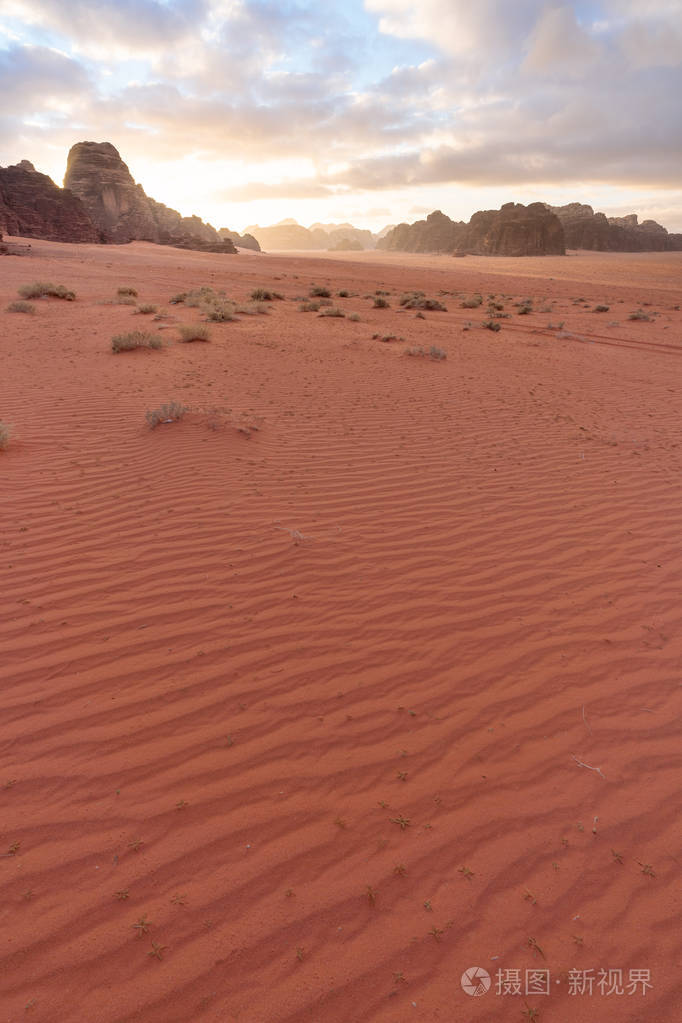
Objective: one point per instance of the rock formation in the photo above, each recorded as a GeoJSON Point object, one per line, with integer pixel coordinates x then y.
{"type": "Point", "coordinates": [32, 205]}
{"type": "Point", "coordinates": [289, 235]}
{"type": "Point", "coordinates": [242, 241]}
{"type": "Point", "coordinates": [585, 229]}
{"type": "Point", "coordinates": [514, 230]}
{"type": "Point", "coordinates": [123, 212]}
{"type": "Point", "coordinates": [435, 234]}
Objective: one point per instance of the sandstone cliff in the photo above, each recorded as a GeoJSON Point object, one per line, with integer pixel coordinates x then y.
{"type": "Point", "coordinates": [32, 205]}
{"type": "Point", "coordinates": [585, 229]}
{"type": "Point", "coordinates": [514, 230]}
{"type": "Point", "coordinates": [123, 212]}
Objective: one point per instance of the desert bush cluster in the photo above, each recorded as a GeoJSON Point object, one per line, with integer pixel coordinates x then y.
{"type": "Point", "coordinates": [418, 300]}
{"type": "Point", "coordinates": [169, 412]}
{"type": "Point", "coordinates": [135, 339]}
{"type": "Point", "coordinates": [21, 307]}
{"type": "Point", "coordinates": [44, 289]}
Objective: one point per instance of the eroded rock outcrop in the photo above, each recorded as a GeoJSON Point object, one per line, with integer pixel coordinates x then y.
{"type": "Point", "coordinates": [242, 241]}
{"type": "Point", "coordinates": [585, 229]}
{"type": "Point", "coordinates": [438, 233]}
{"type": "Point", "coordinates": [32, 205]}
{"type": "Point", "coordinates": [121, 209]}
{"type": "Point", "coordinates": [514, 230]}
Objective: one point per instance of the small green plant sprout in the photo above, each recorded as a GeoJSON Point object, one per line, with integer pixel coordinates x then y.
{"type": "Point", "coordinates": [181, 805]}
{"type": "Point", "coordinates": [371, 894]}
{"type": "Point", "coordinates": [427, 906]}
{"type": "Point", "coordinates": [647, 869]}
{"type": "Point", "coordinates": [491, 325]}
{"type": "Point", "coordinates": [402, 822]}
{"type": "Point", "coordinates": [400, 870]}
{"type": "Point", "coordinates": [141, 926]}
{"type": "Point", "coordinates": [530, 1014]}
{"type": "Point", "coordinates": [21, 307]}
{"type": "Point", "coordinates": [289, 893]}
{"type": "Point", "coordinates": [179, 900]}
{"type": "Point", "coordinates": [122, 894]}
{"type": "Point", "coordinates": [381, 303]}
{"type": "Point", "coordinates": [194, 332]}
{"type": "Point", "coordinates": [300, 952]}
{"type": "Point", "coordinates": [579, 940]}
{"type": "Point", "coordinates": [317, 291]}
{"type": "Point", "coordinates": [28, 894]}
{"type": "Point", "coordinates": [147, 309]}
{"type": "Point", "coordinates": [134, 340]}
{"type": "Point", "coordinates": [383, 804]}
{"type": "Point", "coordinates": [529, 897]}
{"type": "Point", "coordinates": [532, 943]}
{"type": "Point", "coordinates": [13, 849]}
{"type": "Point", "coordinates": [136, 844]}
{"type": "Point", "coordinates": [466, 873]}
{"type": "Point", "coordinates": [399, 977]}
{"type": "Point", "coordinates": [169, 412]}
{"type": "Point", "coordinates": [126, 291]}
{"type": "Point", "coordinates": [601, 309]}
{"type": "Point", "coordinates": [555, 865]}
{"type": "Point", "coordinates": [5, 434]}
{"type": "Point", "coordinates": [157, 950]}
{"type": "Point", "coordinates": [618, 857]}
{"type": "Point", "coordinates": [341, 823]}
{"type": "Point", "coordinates": [436, 932]}
{"type": "Point", "coordinates": [42, 289]}
{"type": "Point", "coordinates": [402, 775]}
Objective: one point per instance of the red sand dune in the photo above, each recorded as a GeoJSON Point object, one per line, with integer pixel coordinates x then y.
{"type": "Point", "coordinates": [486, 598]}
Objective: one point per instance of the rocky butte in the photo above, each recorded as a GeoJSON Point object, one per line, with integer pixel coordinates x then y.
{"type": "Point", "coordinates": [513, 230]}
{"type": "Point", "coordinates": [122, 211]}
{"type": "Point", "coordinates": [585, 229]}
{"type": "Point", "coordinates": [32, 206]}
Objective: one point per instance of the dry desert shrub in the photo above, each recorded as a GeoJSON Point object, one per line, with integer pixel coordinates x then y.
{"type": "Point", "coordinates": [601, 309]}
{"type": "Point", "coordinates": [147, 309]}
{"type": "Point", "coordinates": [639, 314]}
{"type": "Point", "coordinates": [417, 300]}
{"type": "Point", "coordinates": [354, 317]}
{"type": "Point", "coordinates": [263, 295]}
{"type": "Point", "coordinates": [41, 289]}
{"type": "Point", "coordinates": [332, 311]}
{"type": "Point", "coordinates": [309, 307]}
{"type": "Point", "coordinates": [5, 434]}
{"type": "Point", "coordinates": [433, 352]}
{"type": "Point", "coordinates": [135, 339]}
{"type": "Point", "coordinates": [253, 309]}
{"type": "Point", "coordinates": [194, 332]}
{"type": "Point", "coordinates": [319, 292]}
{"type": "Point", "coordinates": [491, 325]}
{"type": "Point", "coordinates": [381, 303]}
{"type": "Point", "coordinates": [472, 302]}
{"type": "Point", "coordinates": [21, 307]}
{"type": "Point", "coordinates": [169, 412]}
{"type": "Point", "coordinates": [126, 291]}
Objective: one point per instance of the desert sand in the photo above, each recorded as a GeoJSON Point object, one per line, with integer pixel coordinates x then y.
{"type": "Point", "coordinates": [339, 708]}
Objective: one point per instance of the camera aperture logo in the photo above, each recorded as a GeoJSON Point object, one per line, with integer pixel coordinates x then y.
{"type": "Point", "coordinates": [475, 981]}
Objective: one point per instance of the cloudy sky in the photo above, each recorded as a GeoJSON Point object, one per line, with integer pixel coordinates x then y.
{"type": "Point", "coordinates": [373, 111]}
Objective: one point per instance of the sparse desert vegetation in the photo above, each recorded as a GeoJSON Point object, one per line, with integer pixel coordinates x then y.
{"type": "Point", "coordinates": [194, 332]}
{"type": "Point", "coordinates": [21, 307]}
{"type": "Point", "coordinates": [169, 412]}
{"type": "Point", "coordinates": [5, 434]}
{"type": "Point", "coordinates": [135, 339]}
{"type": "Point", "coordinates": [43, 289]}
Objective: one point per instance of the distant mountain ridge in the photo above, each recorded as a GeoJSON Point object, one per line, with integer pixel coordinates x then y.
{"type": "Point", "coordinates": [100, 202]}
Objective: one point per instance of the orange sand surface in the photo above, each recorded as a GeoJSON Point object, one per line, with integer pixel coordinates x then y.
{"type": "Point", "coordinates": [343, 706]}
